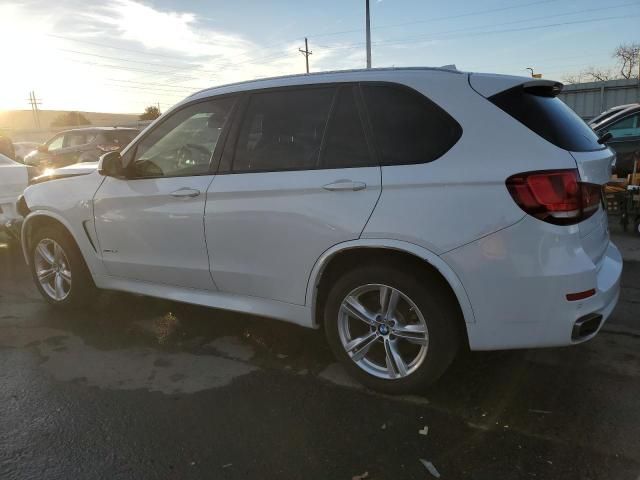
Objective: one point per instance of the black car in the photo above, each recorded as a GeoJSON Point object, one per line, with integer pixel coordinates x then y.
{"type": "Point", "coordinates": [80, 145]}
{"type": "Point", "coordinates": [624, 128]}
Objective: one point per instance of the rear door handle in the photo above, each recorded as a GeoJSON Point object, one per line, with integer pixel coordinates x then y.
{"type": "Point", "coordinates": [185, 193]}
{"type": "Point", "coordinates": [342, 185]}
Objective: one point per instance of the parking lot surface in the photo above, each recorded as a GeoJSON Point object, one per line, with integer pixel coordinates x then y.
{"type": "Point", "coordinates": [135, 387]}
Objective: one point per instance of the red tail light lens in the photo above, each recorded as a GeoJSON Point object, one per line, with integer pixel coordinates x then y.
{"type": "Point", "coordinates": [555, 196]}
{"type": "Point", "coordinates": [108, 148]}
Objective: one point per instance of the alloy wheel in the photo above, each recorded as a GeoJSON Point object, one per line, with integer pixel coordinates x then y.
{"type": "Point", "coordinates": [52, 269]}
{"type": "Point", "coordinates": [383, 331]}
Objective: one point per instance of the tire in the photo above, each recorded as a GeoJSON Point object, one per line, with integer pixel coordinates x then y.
{"type": "Point", "coordinates": [422, 301]}
{"type": "Point", "coordinates": [66, 265]}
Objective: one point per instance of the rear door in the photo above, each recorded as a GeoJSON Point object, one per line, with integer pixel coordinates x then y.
{"type": "Point", "coordinates": [297, 177]}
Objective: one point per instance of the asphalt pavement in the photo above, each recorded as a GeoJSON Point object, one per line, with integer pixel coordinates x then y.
{"type": "Point", "coordinates": [139, 388]}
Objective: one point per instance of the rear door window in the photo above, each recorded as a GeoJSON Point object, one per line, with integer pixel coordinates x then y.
{"type": "Point", "coordinates": [345, 143]}
{"type": "Point", "coordinates": [549, 117]}
{"type": "Point", "coordinates": [283, 130]}
{"type": "Point", "coordinates": [407, 127]}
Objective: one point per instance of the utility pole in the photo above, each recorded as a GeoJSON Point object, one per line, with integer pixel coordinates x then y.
{"type": "Point", "coordinates": [34, 102]}
{"type": "Point", "coordinates": [306, 52]}
{"type": "Point", "coordinates": [368, 35]}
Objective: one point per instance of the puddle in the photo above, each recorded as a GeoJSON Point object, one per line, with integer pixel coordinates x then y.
{"type": "Point", "coordinates": [143, 368]}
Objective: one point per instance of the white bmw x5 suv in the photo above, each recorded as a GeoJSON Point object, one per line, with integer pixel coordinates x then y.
{"type": "Point", "coordinates": [409, 212]}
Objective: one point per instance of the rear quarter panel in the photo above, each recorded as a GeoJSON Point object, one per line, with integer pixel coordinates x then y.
{"type": "Point", "coordinates": [461, 196]}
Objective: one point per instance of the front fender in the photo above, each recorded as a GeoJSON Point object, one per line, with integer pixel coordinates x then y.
{"type": "Point", "coordinates": [28, 221]}
{"type": "Point", "coordinates": [417, 251]}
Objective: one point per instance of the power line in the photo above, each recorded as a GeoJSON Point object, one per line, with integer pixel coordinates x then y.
{"type": "Point", "coordinates": [142, 52]}
{"type": "Point", "coordinates": [424, 38]}
{"type": "Point", "coordinates": [435, 19]}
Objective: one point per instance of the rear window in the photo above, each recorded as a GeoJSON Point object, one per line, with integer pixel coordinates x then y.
{"type": "Point", "coordinates": [549, 117]}
{"type": "Point", "coordinates": [408, 127]}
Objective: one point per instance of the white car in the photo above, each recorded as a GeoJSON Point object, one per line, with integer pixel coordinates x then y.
{"type": "Point", "coordinates": [409, 212]}
{"type": "Point", "coordinates": [14, 178]}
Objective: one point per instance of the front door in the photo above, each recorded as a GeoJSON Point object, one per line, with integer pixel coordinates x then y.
{"type": "Point", "coordinates": [150, 224]}
{"type": "Point", "coordinates": [298, 178]}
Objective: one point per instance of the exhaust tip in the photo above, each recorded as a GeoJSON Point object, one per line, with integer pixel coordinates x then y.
{"type": "Point", "coordinates": [586, 326]}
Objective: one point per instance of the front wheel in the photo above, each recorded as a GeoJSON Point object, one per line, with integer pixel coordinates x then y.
{"type": "Point", "coordinates": [58, 268]}
{"type": "Point", "coordinates": [394, 330]}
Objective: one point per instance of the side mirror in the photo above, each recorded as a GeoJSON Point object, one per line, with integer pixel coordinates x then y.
{"type": "Point", "coordinates": [110, 165]}
{"type": "Point", "coordinates": [43, 148]}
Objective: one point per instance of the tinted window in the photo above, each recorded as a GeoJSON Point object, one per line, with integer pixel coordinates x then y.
{"type": "Point", "coordinates": [627, 127]}
{"type": "Point", "coordinates": [282, 130]}
{"type": "Point", "coordinates": [77, 139]}
{"type": "Point", "coordinates": [549, 117]}
{"type": "Point", "coordinates": [121, 138]}
{"type": "Point", "coordinates": [345, 143]}
{"type": "Point", "coordinates": [184, 143]}
{"type": "Point", "coordinates": [407, 127]}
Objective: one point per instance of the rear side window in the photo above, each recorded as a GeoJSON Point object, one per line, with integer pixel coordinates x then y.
{"type": "Point", "coordinates": [408, 127]}
{"type": "Point", "coordinates": [549, 117]}
{"type": "Point", "coordinates": [345, 143]}
{"type": "Point", "coordinates": [283, 130]}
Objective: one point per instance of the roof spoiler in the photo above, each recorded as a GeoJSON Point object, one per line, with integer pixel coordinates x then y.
{"type": "Point", "coordinates": [543, 88]}
{"type": "Point", "coordinates": [487, 84]}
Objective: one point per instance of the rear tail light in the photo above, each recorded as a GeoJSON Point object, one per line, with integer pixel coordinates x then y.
{"type": "Point", "coordinates": [555, 196]}
{"type": "Point", "coordinates": [108, 148]}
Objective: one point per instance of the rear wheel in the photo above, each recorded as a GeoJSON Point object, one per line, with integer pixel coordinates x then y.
{"type": "Point", "coordinates": [394, 331]}
{"type": "Point", "coordinates": [58, 268]}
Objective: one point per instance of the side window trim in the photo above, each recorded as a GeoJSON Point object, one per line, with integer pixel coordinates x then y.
{"type": "Point", "coordinates": [229, 148]}
{"type": "Point", "coordinates": [132, 150]}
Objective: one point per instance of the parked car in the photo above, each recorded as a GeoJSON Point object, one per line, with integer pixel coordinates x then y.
{"type": "Point", "coordinates": [609, 113]}
{"type": "Point", "coordinates": [624, 128]}
{"type": "Point", "coordinates": [409, 212]}
{"type": "Point", "coordinates": [80, 145]}
{"type": "Point", "coordinates": [23, 149]}
{"type": "Point", "coordinates": [14, 178]}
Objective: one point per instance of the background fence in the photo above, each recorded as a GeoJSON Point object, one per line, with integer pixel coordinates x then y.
{"type": "Point", "coordinates": [589, 99]}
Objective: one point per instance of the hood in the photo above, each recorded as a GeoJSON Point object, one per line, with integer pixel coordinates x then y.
{"type": "Point", "coordinates": [83, 168]}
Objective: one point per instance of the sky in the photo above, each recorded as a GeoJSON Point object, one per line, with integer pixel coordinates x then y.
{"type": "Point", "coordinates": [123, 55]}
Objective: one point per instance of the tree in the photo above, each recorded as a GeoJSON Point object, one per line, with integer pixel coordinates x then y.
{"type": "Point", "coordinates": [628, 61]}
{"type": "Point", "coordinates": [628, 56]}
{"type": "Point", "coordinates": [70, 119]}
{"type": "Point", "coordinates": [150, 113]}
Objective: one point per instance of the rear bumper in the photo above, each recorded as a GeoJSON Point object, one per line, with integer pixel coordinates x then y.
{"type": "Point", "coordinates": [517, 284]}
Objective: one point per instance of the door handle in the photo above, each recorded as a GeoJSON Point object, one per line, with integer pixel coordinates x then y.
{"type": "Point", "coordinates": [185, 193]}
{"type": "Point", "coordinates": [343, 185]}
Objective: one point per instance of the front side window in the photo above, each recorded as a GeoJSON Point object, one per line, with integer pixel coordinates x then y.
{"type": "Point", "coordinates": [283, 130]}
{"type": "Point", "coordinates": [55, 143]}
{"type": "Point", "coordinates": [184, 143]}
{"type": "Point", "coordinates": [627, 127]}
